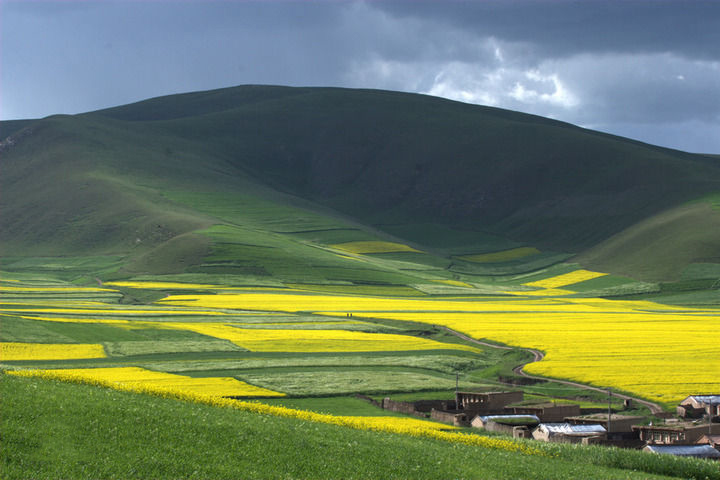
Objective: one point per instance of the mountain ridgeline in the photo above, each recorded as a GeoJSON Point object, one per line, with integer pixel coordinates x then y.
{"type": "Point", "coordinates": [146, 182]}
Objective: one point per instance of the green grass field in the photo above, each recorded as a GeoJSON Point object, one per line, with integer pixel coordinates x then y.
{"type": "Point", "coordinates": [124, 435]}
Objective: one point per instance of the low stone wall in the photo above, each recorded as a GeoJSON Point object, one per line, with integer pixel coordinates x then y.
{"type": "Point", "coordinates": [458, 419]}
{"type": "Point", "coordinates": [407, 408]}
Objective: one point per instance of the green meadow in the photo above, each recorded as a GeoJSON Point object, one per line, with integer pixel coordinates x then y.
{"type": "Point", "coordinates": [251, 190]}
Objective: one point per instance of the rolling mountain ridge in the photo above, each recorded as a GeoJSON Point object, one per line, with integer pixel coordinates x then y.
{"type": "Point", "coordinates": [174, 183]}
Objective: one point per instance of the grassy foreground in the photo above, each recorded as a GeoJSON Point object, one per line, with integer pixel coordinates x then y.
{"type": "Point", "coordinates": [55, 430]}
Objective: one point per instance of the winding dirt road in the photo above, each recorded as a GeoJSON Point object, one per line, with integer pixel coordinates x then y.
{"type": "Point", "coordinates": [537, 356]}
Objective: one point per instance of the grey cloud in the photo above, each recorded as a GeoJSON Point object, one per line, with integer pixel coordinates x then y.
{"type": "Point", "coordinates": [647, 64]}
{"type": "Point", "coordinates": [563, 27]}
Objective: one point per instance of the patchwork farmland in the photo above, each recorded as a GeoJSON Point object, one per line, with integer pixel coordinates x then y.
{"type": "Point", "coordinates": [228, 300]}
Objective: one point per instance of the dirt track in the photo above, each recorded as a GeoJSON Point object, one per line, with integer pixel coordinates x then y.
{"type": "Point", "coordinates": [537, 356]}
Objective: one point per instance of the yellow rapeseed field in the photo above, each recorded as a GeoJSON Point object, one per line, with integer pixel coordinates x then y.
{"type": "Point", "coordinates": [503, 256]}
{"type": "Point", "coordinates": [454, 283]}
{"type": "Point", "coordinates": [165, 285]}
{"type": "Point", "coordinates": [656, 351]}
{"type": "Point", "coordinates": [44, 351]}
{"type": "Point", "coordinates": [566, 279]}
{"type": "Point", "coordinates": [373, 247]}
{"type": "Point", "coordinates": [161, 381]}
{"type": "Point", "coordinates": [31, 289]}
{"type": "Point", "coordinates": [285, 340]}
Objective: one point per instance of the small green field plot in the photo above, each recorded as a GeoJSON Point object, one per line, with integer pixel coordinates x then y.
{"type": "Point", "coordinates": [319, 382]}
{"type": "Point", "coordinates": [65, 267]}
{"type": "Point", "coordinates": [122, 349]}
{"type": "Point", "coordinates": [408, 260]}
{"type": "Point", "coordinates": [240, 251]}
{"type": "Point", "coordinates": [353, 289]}
{"type": "Point", "coordinates": [500, 256]}
{"type": "Point", "coordinates": [334, 236]}
{"type": "Point", "coordinates": [522, 265]}
{"type": "Point", "coordinates": [333, 406]}
{"type": "Point", "coordinates": [448, 364]}
{"type": "Point", "coordinates": [540, 274]}
{"type": "Point", "coordinates": [253, 209]}
{"type": "Point", "coordinates": [449, 240]}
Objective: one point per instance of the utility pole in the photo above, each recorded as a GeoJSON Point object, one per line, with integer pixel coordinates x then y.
{"type": "Point", "coordinates": [609, 409]}
{"type": "Point", "coordinates": [457, 396]}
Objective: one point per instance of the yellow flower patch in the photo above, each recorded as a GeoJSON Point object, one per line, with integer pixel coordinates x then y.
{"type": "Point", "coordinates": [373, 247]}
{"type": "Point", "coordinates": [142, 379]}
{"type": "Point", "coordinates": [10, 351]}
{"type": "Point", "coordinates": [566, 279]}
{"type": "Point", "coordinates": [284, 340]}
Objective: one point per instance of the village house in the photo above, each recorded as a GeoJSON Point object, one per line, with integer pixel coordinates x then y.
{"type": "Point", "coordinates": [516, 425]}
{"type": "Point", "coordinates": [547, 412]}
{"type": "Point", "coordinates": [712, 440]}
{"type": "Point", "coordinates": [485, 403]}
{"type": "Point", "coordinates": [567, 433]}
{"type": "Point", "coordinates": [697, 406]}
{"type": "Point", "coordinates": [698, 451]}
{"type": "Point", "coordinates": [675, 433]}
{"type": "Point", "coordinates": [617, 424]}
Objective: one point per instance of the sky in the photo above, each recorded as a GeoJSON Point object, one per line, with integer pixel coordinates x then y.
{"type": "Point", "coordinates": [644, 69]}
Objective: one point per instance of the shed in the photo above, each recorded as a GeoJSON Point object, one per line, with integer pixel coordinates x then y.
{"type": "Point", "coordinates": [486, 402]}
{"type": "Point", "coordinates": [695, 406]}
{"type": "Point", "coordinates": [676, 434]}
{"type": "Point", "coordinates": [565, 432]}
{"type": "Point", "coordinates": [618, 423]}
{"type": "Point", "coordinates": [699, 451]}
{"type": "Point", "coordinates": [712, 440]}
{"type": "Point", "coordinates": [548, 412]}
{"type": "Point", "coordinates": [508, 424]}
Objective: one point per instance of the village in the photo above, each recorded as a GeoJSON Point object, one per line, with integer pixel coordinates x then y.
{"type": "Point", "coordinates": [693, 431]}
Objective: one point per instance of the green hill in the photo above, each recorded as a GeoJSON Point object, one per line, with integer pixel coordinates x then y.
{"type": "Point", "coordinates": [145, 182]}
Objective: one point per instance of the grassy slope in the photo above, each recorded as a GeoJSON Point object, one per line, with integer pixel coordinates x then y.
{"type": "Point", "coordinates": [126, 435]}
{"type": "Point", "coordinates": [139, 181]}
{"type": "Point", "coordinates": [662, 245]}
{"type": "Point", "coordinates": [386, 156]}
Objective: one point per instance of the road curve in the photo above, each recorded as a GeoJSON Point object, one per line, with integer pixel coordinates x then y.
{"type": "Point", "coordinates": [537, 356]}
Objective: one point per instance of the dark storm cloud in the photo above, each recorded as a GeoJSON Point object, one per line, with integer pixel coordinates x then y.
{"type": "Point", "coordinates": [563, 27]}
{"type": "Point", "coordinates": [628, 67]}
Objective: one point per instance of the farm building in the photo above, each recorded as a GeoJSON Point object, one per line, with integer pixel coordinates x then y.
{"type": "Point", "coordinates": [699, 451]}
{"type": "Point", "coordinates": [567, 433]}
{"type": "Point", "coordinates": [712, 440]}
{"type": "Point", "coordinates": [516, 425]}
{"type": "Point", "coordinates": [486, 403]}
{"type": "Point", "coordinates": [459, 419]}
{"type": "Point", "coordinates": [547, 412]}
{"type": "Point", "coordinates": [675, 434]}
{"type": "Point", "coordinates": [696, 406]}
{"type": "Point", "coordinates": [617, 424]}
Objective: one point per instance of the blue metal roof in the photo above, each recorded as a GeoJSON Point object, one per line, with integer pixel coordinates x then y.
{"type": "Point", "coordinates": [707, 399]}
{"type": "Point", "coordinates": [705, 451]}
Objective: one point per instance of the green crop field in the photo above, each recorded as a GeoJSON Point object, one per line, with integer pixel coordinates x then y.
{"type": "Point", "coordinates": [214, 250]}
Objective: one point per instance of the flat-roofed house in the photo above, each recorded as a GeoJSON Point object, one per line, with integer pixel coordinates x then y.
{"type": "Point", "coordinates": [618, 423]}
{"type": "Point", "coordinates": [518, 426]}
{"type": "Point", "coordinates": [486, 402]}
{"type": "Point", "coordinates": [547, 412]}
{"type": "Point", "coordinates": [712, 440]}
{"type": "Point", "coordinates": [696, 406]}
{"type": "Point", "coordinates": [567, 433]}
{"type": "Point", "coordinates": [676, 434]}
